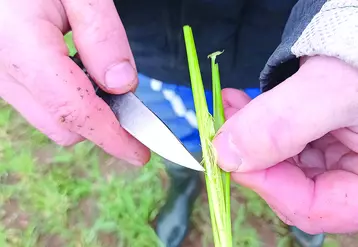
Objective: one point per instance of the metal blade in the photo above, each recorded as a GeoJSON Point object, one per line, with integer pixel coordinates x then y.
{"type": "Point", "coordinates": [146, 127]}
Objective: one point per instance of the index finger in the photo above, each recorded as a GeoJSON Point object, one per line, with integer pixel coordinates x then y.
{"type": "Point", "coordinates": [66, 92]}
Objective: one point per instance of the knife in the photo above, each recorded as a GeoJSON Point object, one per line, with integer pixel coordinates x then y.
{"type": "Point", "coordinates": [138, 120]}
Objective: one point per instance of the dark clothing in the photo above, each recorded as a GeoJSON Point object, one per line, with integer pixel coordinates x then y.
{"type": "Point", "coordinates": [248, 30]}
{"type": "Point", "coordinates": [262, 39]}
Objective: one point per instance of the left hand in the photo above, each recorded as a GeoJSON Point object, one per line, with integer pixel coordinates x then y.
{"type": "Point", "coordinates": [297, 145]}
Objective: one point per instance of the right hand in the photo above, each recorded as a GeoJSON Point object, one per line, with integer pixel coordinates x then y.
{"type": "Point", "coordinates": [38, 78]}
{"type": "Point", "coordinates": [297, 145]}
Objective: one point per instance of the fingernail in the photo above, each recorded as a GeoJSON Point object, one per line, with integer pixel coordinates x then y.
{"type": "Point", "coordinates": [119, 76]}
{"type": "Point", "coordinates": [229, 158]}
{"type": "Point", "coordinates": [140, 157]}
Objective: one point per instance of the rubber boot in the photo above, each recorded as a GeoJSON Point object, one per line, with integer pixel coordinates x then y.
{"type": "Point", "coordinates": [305, 239]}
{"type": "Point", "coordinates": [173, 221]}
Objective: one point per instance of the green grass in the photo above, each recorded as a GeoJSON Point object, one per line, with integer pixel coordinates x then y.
{"type": "Point", "coordinates": [74, 197]}
{"type": "Point", "coordinates": [66, 194]}
{"type": "Point", "coordinates": [82, 197]}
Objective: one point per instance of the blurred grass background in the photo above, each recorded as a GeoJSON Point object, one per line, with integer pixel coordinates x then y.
{"type": "Point", "coordinates": [80, 196]}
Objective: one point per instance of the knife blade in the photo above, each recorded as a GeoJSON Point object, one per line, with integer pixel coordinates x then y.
{"type": "Point", "coordinates": [138, 120]}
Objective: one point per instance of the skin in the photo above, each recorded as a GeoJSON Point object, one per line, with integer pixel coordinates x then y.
{"type": "Point", "coordinates": [50, 91]}
{"type": "Point", "coordinates": [294, 145]}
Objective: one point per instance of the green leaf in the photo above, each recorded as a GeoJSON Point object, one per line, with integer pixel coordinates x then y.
{"type": "Point", "coordinates": [219, 117]}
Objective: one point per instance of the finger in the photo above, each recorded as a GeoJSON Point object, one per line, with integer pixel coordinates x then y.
{"type": "Point", "coordinates": [312, 162]}
{"type": "Point", "coordinates": [278, 124]}
{"type": "Point", "coordinates": [23, 102]}
{"type": "Point", "coordinates": [68, 95]}
{"type": "Point", "coordinates": [324, 142]}
{"type": "Point", "coordinates": [233, 101]}
{"type": "Point", "coordinates": [348, 162]}
{"type": "Point", "coordinates": [230, 111]}
{"type": "Point", "coordinates": [101, 40]}
{"type": "Point", "coordinates": [333, 154]}
{"type": "Point", "coordinates": [348, 137]}
{"type": "Point", "coordinates": [326, 204]}
{"type": "Point", "coordinates": [312, 158]}
{"type": "Point", "coordinates": [234, 98]}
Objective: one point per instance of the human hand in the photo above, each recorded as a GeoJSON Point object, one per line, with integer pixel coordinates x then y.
{"type": "Point", "coordinates": [296, 146]}
{"type": "Point", "coordinates": [38, 78]}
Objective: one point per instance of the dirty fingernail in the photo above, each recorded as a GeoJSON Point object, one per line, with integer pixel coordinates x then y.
{"type": "Point", "coordinates": [140, 157]}
{"type": "Point", "coordinates": [121, 75]}
{"type": "Point", "coordinates": [228, 156]}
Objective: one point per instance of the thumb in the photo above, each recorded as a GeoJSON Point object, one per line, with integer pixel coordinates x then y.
{"type": "Point", "coordinates": [102, 44]}
{"type": "Point", "coordinates": [280, 123]}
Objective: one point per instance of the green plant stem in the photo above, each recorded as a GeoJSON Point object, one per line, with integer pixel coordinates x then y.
{"type": "Point", "coordinates": [213, 176]}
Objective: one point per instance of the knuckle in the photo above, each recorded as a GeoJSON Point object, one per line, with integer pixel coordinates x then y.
{"type": "Point", "coordinates": [68, 113]}
{"type": "Point", "coordinates": [107, 36]}
{"type": "Point", "coordinates": [99, 35]}
{"type": "Point", "coordinates": [99, 31]}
